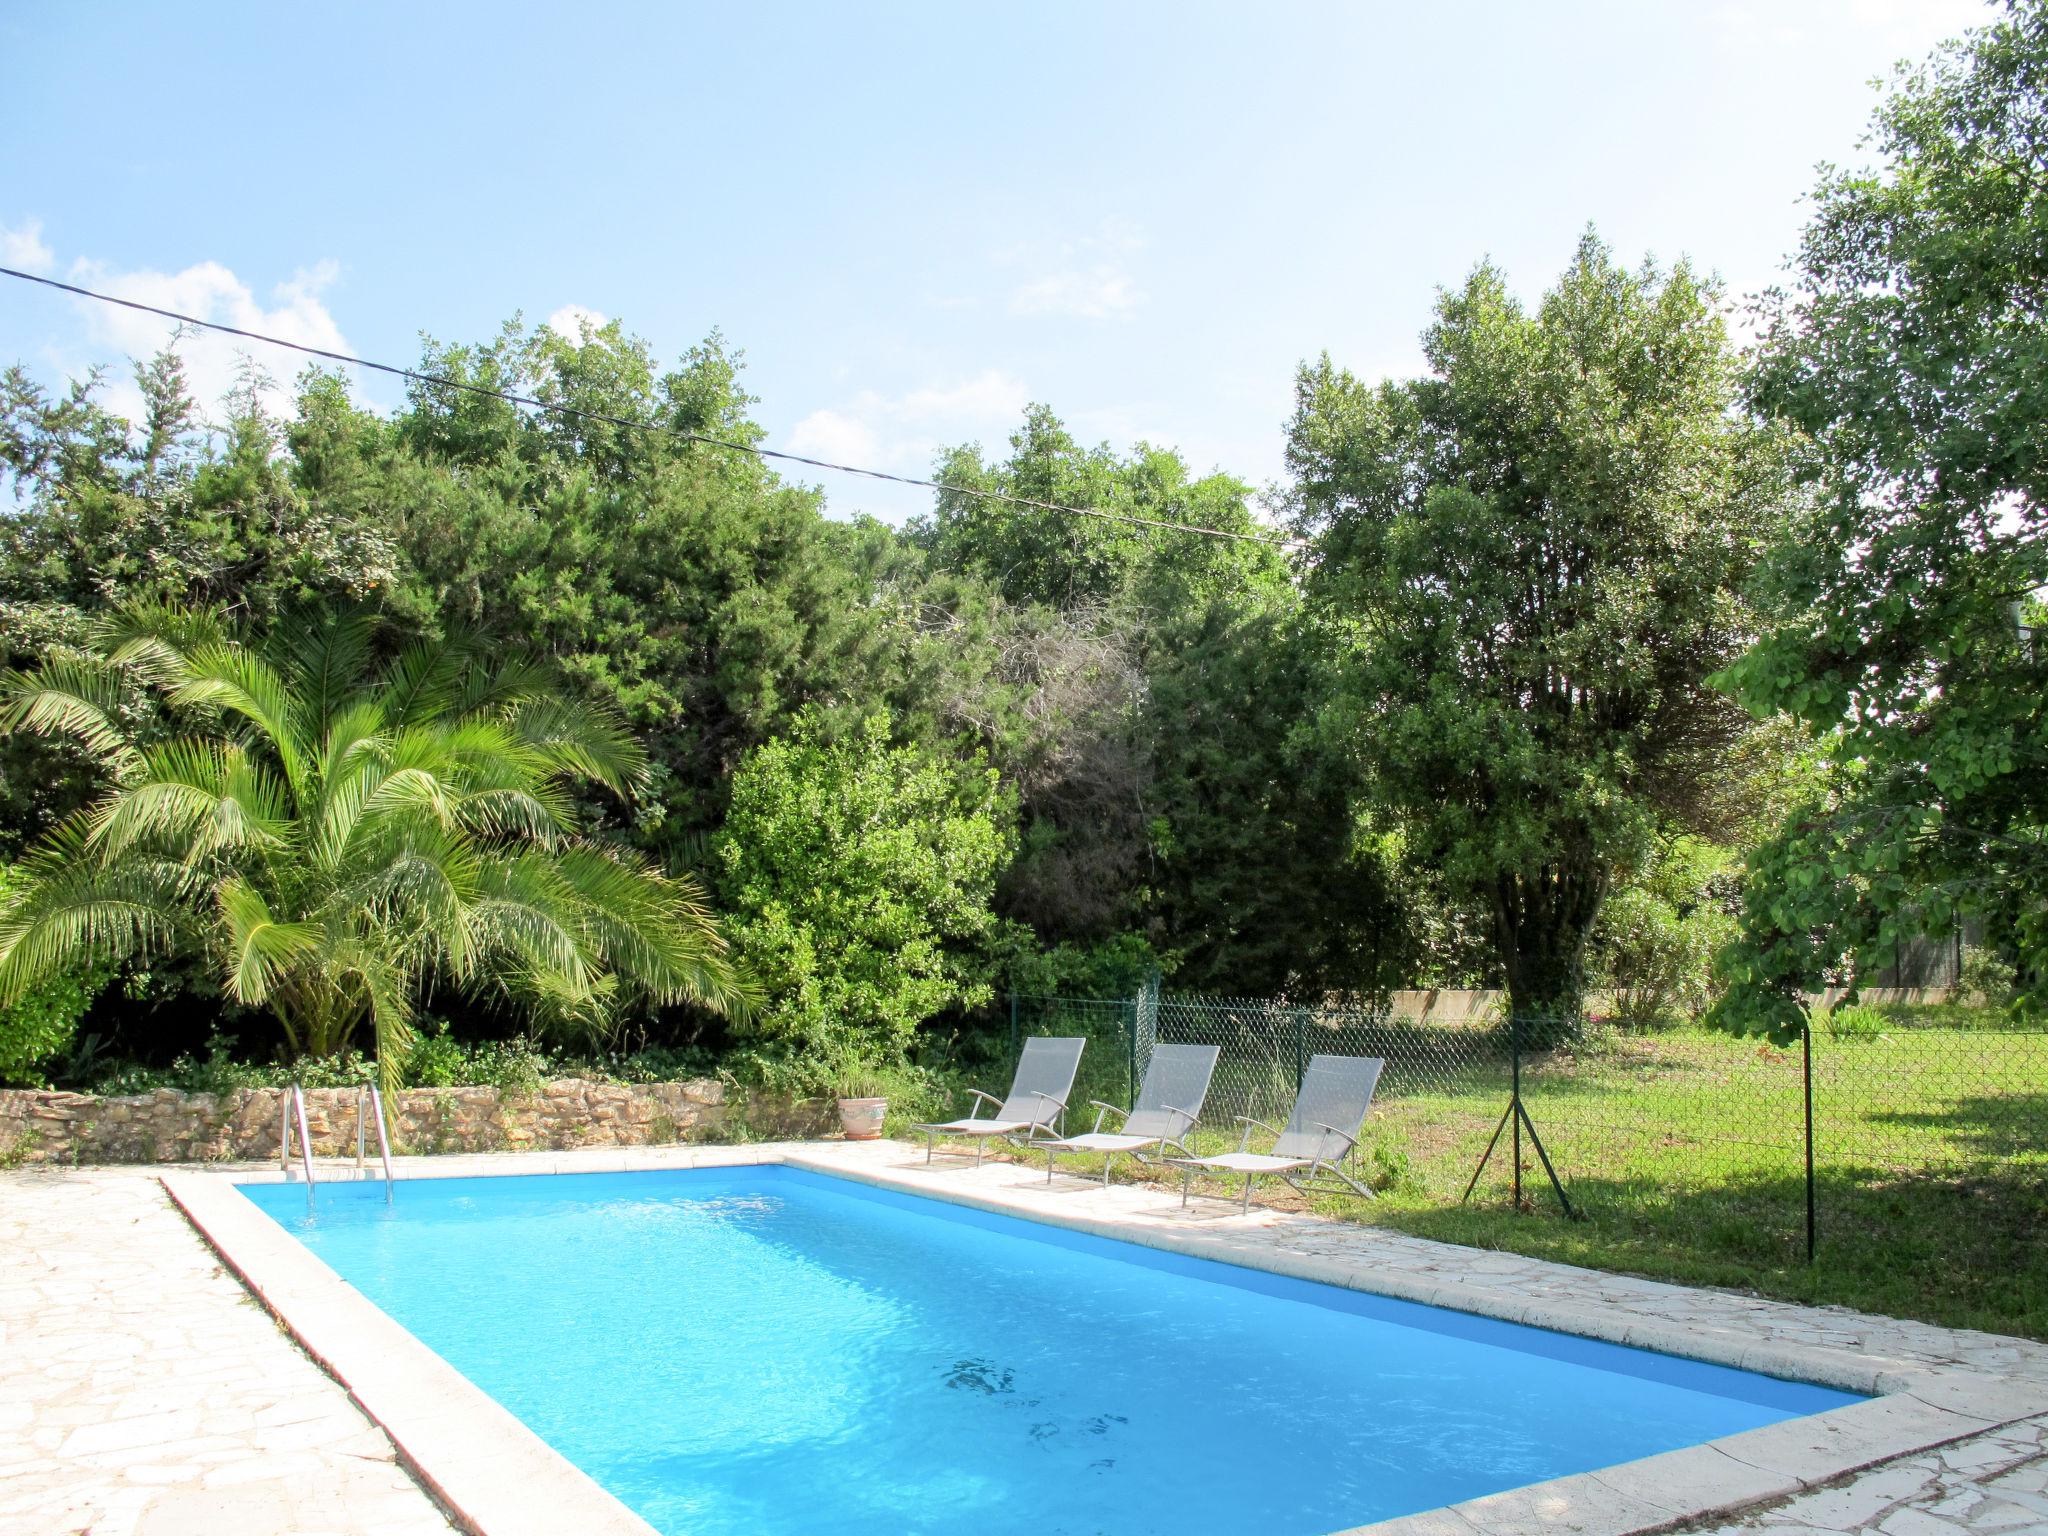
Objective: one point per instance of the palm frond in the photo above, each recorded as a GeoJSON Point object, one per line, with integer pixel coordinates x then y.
{"type": "Point", "coordinates": [390, 987]}
{"type": "Point", "coordinates": [654, 930]}
{"type": "Point", "coordinates": [324, 661]}
{"type": "Point", "coordinates": [527, 909]}
{"type": "Point", "coordinates": [586, 741]}
{"type": "Point", "coordinates": [506, 683]}
{"type": "Point", "coordinates": [424, 683]}
{"type": "Point", "coordinates": [69, 911]}
{"type": "Point", "coordinates": [234, 679]}
{"type": "Point", "coordinates": [153, 639]}
{"type": "Point", "coordinates": [75, 698]}
{"type": "Point", "coordinates": [539, 816]}
{"type": "Point", "coordinates": [205, 797]}
{"type": "Point", "coordinates": [260, 947]}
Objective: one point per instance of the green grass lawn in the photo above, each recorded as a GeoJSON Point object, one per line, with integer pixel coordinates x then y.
{"type": "Point", "coordinates": [1685, 1153]}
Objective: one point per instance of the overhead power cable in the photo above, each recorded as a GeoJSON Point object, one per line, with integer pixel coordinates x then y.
{"type": "Point", "coordinates": [436, 381]}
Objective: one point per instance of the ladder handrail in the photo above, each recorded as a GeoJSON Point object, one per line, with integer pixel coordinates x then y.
{"type": "Point", "coordinates": [369, 1099]}
{"type": "Point", "coordinates": [293, 1101]}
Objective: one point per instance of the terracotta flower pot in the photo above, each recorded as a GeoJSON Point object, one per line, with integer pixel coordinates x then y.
{"type": "Point", "coordinates": [861, 1119]}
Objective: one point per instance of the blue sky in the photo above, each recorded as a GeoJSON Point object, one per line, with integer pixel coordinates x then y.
{"type": "Point", "coordinates": [913, 218]}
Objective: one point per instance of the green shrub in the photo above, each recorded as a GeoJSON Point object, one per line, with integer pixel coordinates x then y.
{"type": "Point", "coordinates": [858, 877]}
{"type": "Point", "coordinates": [36, 1031]}
{"type": "Point", "coordinates": [1115, 967]}
{"type": "Point", "coordinates": [1987, 978]}
{"type": "Point", "coordinates": [1654, 944]}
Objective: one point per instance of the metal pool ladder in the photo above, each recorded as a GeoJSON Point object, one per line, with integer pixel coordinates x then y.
{"type": "Point", "coordinates": [369, 1105]}
{"type": "Point", "coordinates": [292, 1106]}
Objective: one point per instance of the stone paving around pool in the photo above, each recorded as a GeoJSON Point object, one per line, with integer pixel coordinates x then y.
{"type": "Point", "coordinates": [143, 1392]}
{"type": "Point", "coordinates": [142, 1389]}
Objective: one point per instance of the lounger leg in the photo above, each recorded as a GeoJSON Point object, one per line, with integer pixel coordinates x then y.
{"type": "Point", "coordinates": [980, 1146]}
{"type": "Point", "coordinates": [1107, 1159]}
{"type": "Point", "coordinates": [1051, 1157]}
{"type": "Point", "coordinates": [931, 1139]}
{"type": "Point", "coordinates": [1187, 1182]}
{"type": "Point", "coordinates": [1247, 1194]}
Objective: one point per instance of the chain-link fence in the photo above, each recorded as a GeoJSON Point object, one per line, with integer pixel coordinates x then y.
{"type": "Point", "coordinates": [1755, 1145]}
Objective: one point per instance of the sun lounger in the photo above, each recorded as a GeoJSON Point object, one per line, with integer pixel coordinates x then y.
{"type": "Point", "coordinates": [1037, 1099]}
{"type": "Point", "coordinates": [1169, 1104]}
{"type": "Point", "coordinates": [1329, 1113]}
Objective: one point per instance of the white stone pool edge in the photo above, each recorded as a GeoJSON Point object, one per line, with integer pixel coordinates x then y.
{"type": "Point", "coordinates": [500, 1479]}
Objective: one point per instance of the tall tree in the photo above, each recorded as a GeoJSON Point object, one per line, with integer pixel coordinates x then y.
{"type": "Point", "coordinates": [1151, 690]}
{"type": "Point", "coordinates": [1906, 628]}
{"type": "Point", "coordinates": [1071, 559]}
{"type": "Point", "coordinates": [1531, 560]}
{"type": "Point", "coordinates": [686, 584]}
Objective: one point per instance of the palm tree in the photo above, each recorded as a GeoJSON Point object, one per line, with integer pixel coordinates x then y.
{"type": "Point", "coordinates": [334, 834]}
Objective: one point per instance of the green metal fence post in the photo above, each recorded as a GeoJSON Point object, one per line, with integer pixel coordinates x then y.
{"type": "Point", "coordinates": [1806, 1043]}
{"type": "Point", "coordinates": [1515, 1096]}
{"type": "Point", "coordinates": [1300, 1047]}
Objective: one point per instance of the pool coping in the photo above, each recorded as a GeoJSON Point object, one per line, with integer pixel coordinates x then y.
{"type": "Point", "coordinates": [496, 1477]}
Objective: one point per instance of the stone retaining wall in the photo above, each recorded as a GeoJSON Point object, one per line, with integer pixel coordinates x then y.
{"type": "Point", "coordinates": [168, 1126]}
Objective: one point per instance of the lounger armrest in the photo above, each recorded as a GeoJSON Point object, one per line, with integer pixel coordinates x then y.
{"type": "Point", "coordinates": [1102, 1109]}
{"type": "Point", "coordinates": [1185, 1114]}
{"type": "Point", "coordinates": [1245, 1141]}
{"type": "Point", "coordinates": [986, 1098]}
{"type": "Point", "coordinates": [1350, 1141]}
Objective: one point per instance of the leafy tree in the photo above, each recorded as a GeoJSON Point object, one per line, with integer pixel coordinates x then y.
{"type": "Point", "coordinates": [1064, 560]}
{"type": "Point", "coordinates": [1531, 560]}
{"type": "Point", "coordinates": [687, 585]}
{"type": "Point", "coordinates": [335, 835]}
{"type": "Point", "coordinates": [858, 876]}
{"type": "Point", "coordinates": [1145, 693]}
{"type": "Point", "coordinates": [1914, 357]}
{"type": "Point", "coordinates": [1262, 877]}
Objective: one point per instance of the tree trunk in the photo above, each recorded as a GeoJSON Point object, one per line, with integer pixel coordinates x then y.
{"type": "Point", "coordinates": [1541, 923]}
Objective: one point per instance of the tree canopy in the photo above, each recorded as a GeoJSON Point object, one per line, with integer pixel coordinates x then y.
{"type": "Point", "coordinates": [1528, 562]}
{"type": "Point", "coordinates": [1905, 598]}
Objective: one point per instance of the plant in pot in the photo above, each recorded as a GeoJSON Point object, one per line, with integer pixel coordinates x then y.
{"type": "Point", "coordinates": [863, 1094]}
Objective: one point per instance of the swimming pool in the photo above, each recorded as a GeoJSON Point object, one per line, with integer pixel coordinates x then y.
{"type": "Point", "coordinates": [765, 1349]}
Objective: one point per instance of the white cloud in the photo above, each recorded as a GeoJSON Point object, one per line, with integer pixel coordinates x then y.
{"type": "Point", "coordinates": [207, 290]}
{"type": "Point", "coordinates": [22, 247]}
{"type": "Point", "coordinates": [574, 322]}
{"type": "Point", "coordinates": [1085, 276]}
{"type": "Point", "coordinates": [1100, 293]}
{"type": "Point", "coordinates": [904, 433]}
{"type": "Point", "coordinates": [836, 436]}
{"type": "Point", "coordinates": [989, 394]}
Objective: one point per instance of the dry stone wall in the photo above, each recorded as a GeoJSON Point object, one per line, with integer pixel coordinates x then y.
{"type": "Point", "coordinates": [167, 1126]}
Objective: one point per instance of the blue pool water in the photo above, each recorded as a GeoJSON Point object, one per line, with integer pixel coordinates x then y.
{"type": "Point", "coordinates": [765, 1350]}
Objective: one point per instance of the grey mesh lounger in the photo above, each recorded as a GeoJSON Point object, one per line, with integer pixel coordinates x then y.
{"type": "Point", "coordinates": [1169, 1104]}
{"type": "Point", "coordinates": [1038, 1097]}
{"type": "Point", "coordinates": [1329, 1113]}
